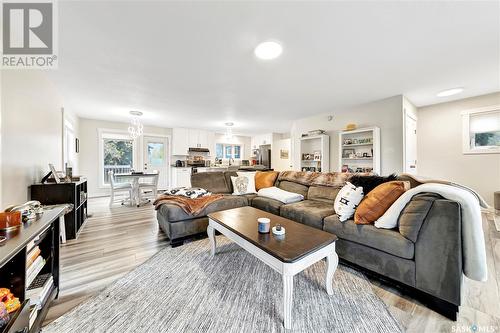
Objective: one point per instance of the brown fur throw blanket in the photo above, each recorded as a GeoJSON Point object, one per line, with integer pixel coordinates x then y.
{"type": "Point", "coordinates": [190, 206]}
{"type": "Point", "coordinates": [334, 179]}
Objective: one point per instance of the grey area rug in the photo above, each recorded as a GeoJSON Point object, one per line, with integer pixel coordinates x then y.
{"type": "Point", "coordinates": [185, 290]}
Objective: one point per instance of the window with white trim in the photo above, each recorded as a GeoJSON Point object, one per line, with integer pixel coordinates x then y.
{"type": "Point", "coordinates": [117, 152]}
{"type": "Point", "coordinates": [481, 131]}
{"type": "Point", "coordinates": [228, 151]}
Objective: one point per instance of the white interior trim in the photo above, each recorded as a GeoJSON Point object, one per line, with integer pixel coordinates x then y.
{"type": "Point", "coordinates": [466, 147]}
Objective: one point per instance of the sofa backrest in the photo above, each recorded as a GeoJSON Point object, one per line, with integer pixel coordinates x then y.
{"type": "Point", "coordinates": [323, 193]}
{"type": "Point", "coordinates": [214, 182]}
{"type": "Point", "coordinates": [227, 176]}
{"type": "Point", "coordinates": [220, 182]}
{"type": "Point", "coordinates": [293, 187]}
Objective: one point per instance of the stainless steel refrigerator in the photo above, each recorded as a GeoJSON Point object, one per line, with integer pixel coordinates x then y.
{"type": "Point", "coordinates": [265, 155]}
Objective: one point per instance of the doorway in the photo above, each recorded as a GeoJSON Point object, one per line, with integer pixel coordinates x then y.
{"type": "Point", "coordinates": [155, 150]}
{"type": "Point", "coordinates": [410, 148]}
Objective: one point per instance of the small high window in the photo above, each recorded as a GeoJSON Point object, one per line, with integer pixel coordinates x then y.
{"type": "Point", "coordinates": [481, 131]}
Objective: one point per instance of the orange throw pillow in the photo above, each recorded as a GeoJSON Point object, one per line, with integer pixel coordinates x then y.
{"type": "Point", "coordinates": [378, 200]}
{"type": "Point", "coordinates": [265, 179]}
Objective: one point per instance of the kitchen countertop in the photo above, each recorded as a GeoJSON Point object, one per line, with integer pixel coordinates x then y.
{"type": "Point", "coordinates": [223, 167]}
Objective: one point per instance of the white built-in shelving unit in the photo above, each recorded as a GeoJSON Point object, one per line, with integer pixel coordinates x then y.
{"type": "Point", "coordinates": [315, 153]}
{"type": "Point", "coordinates": [359, 150]}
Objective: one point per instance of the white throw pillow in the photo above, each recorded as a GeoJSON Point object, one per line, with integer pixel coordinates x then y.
{"type": "Point", "coordinates": [347, 200]}
{"type": "Point", "coordinates": [244, 183]}
{"type": "Point", "coordinates": [280, 195]}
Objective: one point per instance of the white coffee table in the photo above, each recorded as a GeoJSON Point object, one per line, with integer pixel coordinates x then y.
{"type": "Point", "coordinates": [301, 247]}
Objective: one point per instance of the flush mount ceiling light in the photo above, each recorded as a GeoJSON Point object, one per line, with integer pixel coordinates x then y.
{"type": "Point", "coordinates": [450, 92]}
{"type": "Point", "coordinates": [268, 50]}
{"type": "Point", "coordinates": [135, 129]}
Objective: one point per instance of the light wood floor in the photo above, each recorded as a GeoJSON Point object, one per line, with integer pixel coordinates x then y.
{"type": "Point", "coordinates": [115, 241]}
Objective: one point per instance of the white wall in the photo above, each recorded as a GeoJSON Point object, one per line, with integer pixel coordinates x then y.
{"type": "Point", "coordinates": [31, 132]}
{"type": "Point", "coordinates": [386, 114]}
{"type": "Point", "coordinates": [89, 149]}
{"type": "Point", "coordinates": [277, 163]}
{"type": "Point", "coordinates": [1, 107]}
{"type": "Point", "coordinates": [245, 141]}
{"type": "Point", "coordinates": [439, 146]}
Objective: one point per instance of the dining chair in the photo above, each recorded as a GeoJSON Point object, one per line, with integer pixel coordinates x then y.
{"type": "Point", "coordinates": [118, 187]}
{"type": "Point", "coordinates": [151, 184]}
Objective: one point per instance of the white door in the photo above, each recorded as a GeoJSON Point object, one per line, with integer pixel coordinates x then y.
{"type": "Point", "coordinates": [410, 145]}
{"type": "Point", "coordinates": [155, 158]}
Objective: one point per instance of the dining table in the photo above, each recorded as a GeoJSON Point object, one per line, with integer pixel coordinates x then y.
{"type": "Point", "coordinates": [135, 177]}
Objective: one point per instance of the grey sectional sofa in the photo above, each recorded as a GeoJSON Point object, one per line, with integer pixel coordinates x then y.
{"type": "Point", "coordinates": [423, 256]}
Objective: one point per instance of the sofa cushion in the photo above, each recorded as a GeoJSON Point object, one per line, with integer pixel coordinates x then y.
{"type": "Point", "coordinates": [227, 176]}
{"type": "Point", "coordinates": [376, 203]}
{"type": "Point", "coordinates": [323, 193]}
{"type": "Point", "coordinates": [175, 213]}
{"type": "Point", "coordinates": [389, 241]}
{"type": "Point", "coordinates": [214, 182]}
{"type": "Point", "coordinates": [244, 183]}
{"type": "Point", "coordinates": [264, 179]}
{"type": "Point", "coordinates": [413, 215]}
{"type": "Point", "coordinates": [309, 212]}
{"type": "Point", "coordinates": [250, 197]}
{"type": "Point", "coordinates": [267, 204]}
{"type": "Point", "coordinates": [294, 187]}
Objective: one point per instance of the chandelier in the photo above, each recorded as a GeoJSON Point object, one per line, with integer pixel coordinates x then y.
{"type": "Point", "coordinates": [135, 129]}
{"type": "Point", "coordinates": [229, 130]}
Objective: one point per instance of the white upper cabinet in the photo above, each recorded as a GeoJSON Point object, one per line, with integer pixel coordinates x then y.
{"type": "Point", "coordinates": [260, 140]}
{"type": "Point", "coordinates": [198, 138]}
{"type": "Point", "coordinates": [180, 141]}
{"type": "Point", "coordinates": [203, 139]}
{"type": "Point", "coordinates": [193, 138]}
{"type": "Point", "coordinates": [185, 138]}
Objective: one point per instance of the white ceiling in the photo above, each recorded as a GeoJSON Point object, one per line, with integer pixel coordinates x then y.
{"type": "Point", "coordinates": [191, 63]}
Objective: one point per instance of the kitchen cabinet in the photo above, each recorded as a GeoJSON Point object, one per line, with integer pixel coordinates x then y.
{"type": "Point", "coordinates": [260, 140]}
{"type": "Point", "coordinates": [181, 177]}
{"type": "Point", "coordinates": [180, 141]}
{"type": "Point", "coordinates": [185, 138]}
{"type": "Point", "coordinates": [211, 142]}
{"type": "Point", "coordinates": [203, 139]}
{"type": "Point", "coordinates": [193, 138]}
{"type": "Point", "coordinates": [198, 138]}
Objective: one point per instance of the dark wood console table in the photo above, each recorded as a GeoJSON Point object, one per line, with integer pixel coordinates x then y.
{"type": "Point", "coordinates": [42, 234]}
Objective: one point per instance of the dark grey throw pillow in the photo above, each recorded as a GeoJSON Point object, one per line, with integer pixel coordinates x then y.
{"type": "Point", "coordinates": [368, 183]}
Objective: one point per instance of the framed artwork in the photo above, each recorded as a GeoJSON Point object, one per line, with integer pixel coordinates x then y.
{"type": "Point", "coordinates": [317, 156]}
{"type": "Point", "coordinates": [284, 154]}
{"type": "Point", "coordinates": [347, 152]}
{"type": "Point", "coordinates": [54, 173]}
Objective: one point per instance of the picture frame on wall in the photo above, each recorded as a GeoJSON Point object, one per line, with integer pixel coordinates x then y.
{"type": "Point", "coordinates": [284, 154]}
